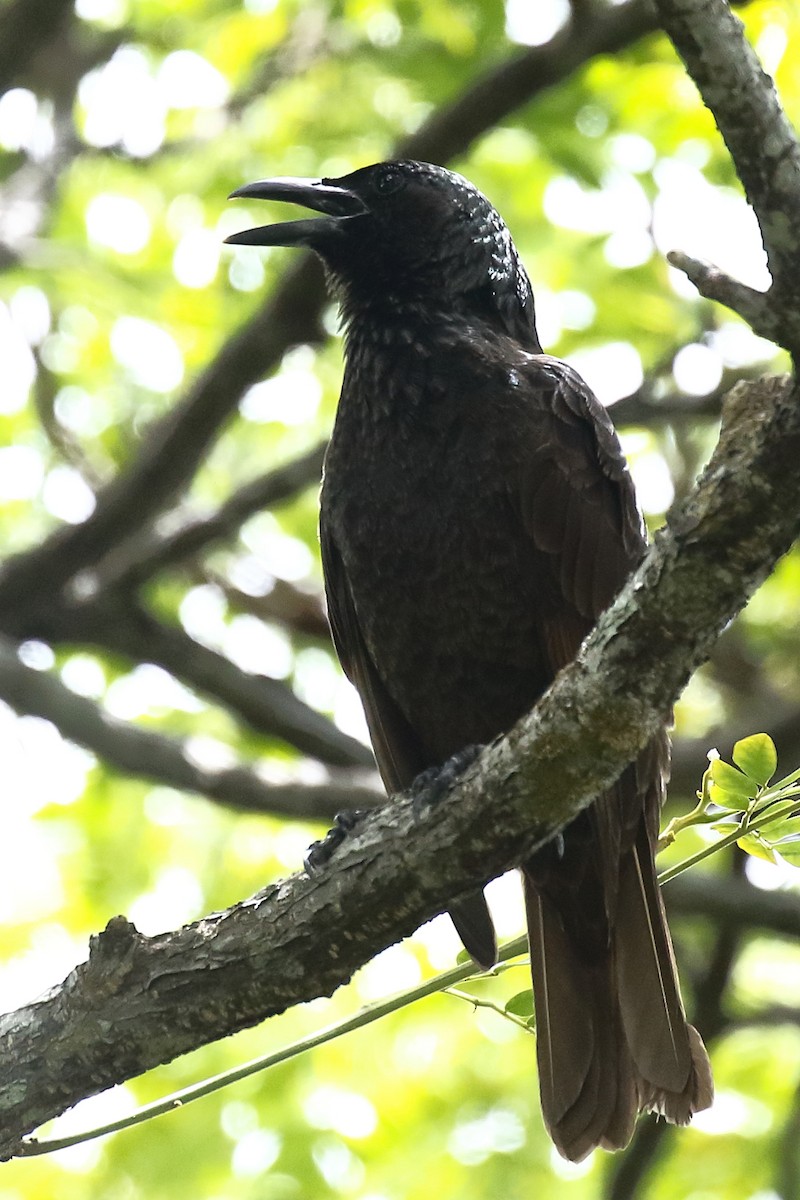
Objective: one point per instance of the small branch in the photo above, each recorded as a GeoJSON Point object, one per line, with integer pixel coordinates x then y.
{"type": "Point", "coordinates": [63, 441]}
{"type": "Point", "coordinates": [762, 144]}
{"type": "Point", "coordinates": [709, 1008]}
{"type": "Point", "coordinates": [733, 902]}
{"type": "Point", "coordinates": [267, 705]}
{"type": "Point", "coordinates": [300, 611]}
{"type": "Point", "coordinates": [146, 755]}
{"type": "Point", "coordinates": [753, 306]}
{"type": "Point", "coordinates": [491, 1006]}
{"type": "Point", "coordinates": [771, 1017]}
{"type": "Point", "coordinates": [647, 407]}
{"type": "Point", "coordinates": [147, 553]}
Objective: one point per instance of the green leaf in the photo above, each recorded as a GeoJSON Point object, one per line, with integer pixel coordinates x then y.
{"type": "Point", "coordinates": [788, 828]}
{"type": "Point", "coordinates": [789, 852]}
{"type": "Point", "coordinates": [726, 827]}
{"type": "Point", "coordinates": [521, 1005]}
{"type": "Point", "coordinates": [730, 788]}
{"type": "Point", "coordinates": [752, 844]}
{"type": "Point", "coordinates": [727, 800]}
{"type": "Point", "coordinates": [757, 757]}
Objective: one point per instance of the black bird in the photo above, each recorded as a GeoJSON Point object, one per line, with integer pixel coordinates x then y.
{"type": "Point", "coordinates": [476, 518]}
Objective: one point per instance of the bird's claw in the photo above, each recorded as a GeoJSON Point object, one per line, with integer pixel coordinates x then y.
{"type": "Point", "coordinates": [320, 853]}
{"type": "Point", "coordinates": [432, 784]}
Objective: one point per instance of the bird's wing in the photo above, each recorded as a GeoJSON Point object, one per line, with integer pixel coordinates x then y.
{"type": "Point", "coordinates": [578, 502]}
{"type": "Point", "coordinates": [579, 510]}
{"type": "Point", "coordinates": [399, 751]}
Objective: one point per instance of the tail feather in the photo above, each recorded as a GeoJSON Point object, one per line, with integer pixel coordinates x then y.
{"type": "Point", "coordinates": [586, 1083]}
{"type": "Point", "coordinates": [668, 1053]}
{"type": "Point", "coordinates": [565, 1035]}
{"type": "Point", "coordinates": [612, 1037]}
{"type": "Point", "coordinates": [474, 926]}
{"type": "Point", "coordinates": [648, 979]}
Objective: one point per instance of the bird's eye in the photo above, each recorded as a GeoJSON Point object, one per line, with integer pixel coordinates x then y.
{"type": "Point", "coordinates": [388, 182]}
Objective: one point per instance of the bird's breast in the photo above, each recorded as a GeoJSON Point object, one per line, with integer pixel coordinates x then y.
{"type": "Point", "coordinates": [444, 586]}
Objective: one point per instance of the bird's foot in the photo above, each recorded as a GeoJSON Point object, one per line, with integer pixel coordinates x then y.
{"type": "Point", "coordinates": [320, 853]}
{"type": "Point", "coordinates": [432, 784]}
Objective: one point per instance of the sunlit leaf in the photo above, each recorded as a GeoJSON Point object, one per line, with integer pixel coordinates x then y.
{"type": "Point", "coordinates": [789, 851]}
{"type": "Point", "coordinates": [730, 788]}
{"type": "Point", "coordinates": [752, 844]}
{"type": "Point", "coordinates": [788, 827]}
{"type": "Point", "coordinates": [757, 757]}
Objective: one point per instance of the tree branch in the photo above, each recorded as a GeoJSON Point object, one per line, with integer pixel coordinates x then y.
{"type": "Point", "coordinates": [142, 754]}
{"type": "Point", "coordinates": [26, 26]}
{"type": "Point", "coordinates": [145, 554]}
{"type": "Point", "coordinates": [752, 305]}
{"type": "Point", "coordinates": [297, 609]}
{"type": "Point", "coordinates": [451, 130]}
{"type": "Point", "coordinates": [267, 705]}
{"type": "Point", "coordinates": [763, 145]}
{"type": "Point", "coordinates": [140, 1001]}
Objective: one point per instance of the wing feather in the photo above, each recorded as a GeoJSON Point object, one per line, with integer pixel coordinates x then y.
{"type": "Point", "coordinates": [399, 751]}
{"type": "Point", "coordinates": [577, 497]}
{"type": "Point", "coordinates": [611, 1036]}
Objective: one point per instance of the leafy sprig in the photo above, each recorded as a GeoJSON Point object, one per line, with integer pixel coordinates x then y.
{"type": "Point", "coordinates": [740, 803]}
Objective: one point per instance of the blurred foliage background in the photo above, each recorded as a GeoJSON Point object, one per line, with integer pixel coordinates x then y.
{"type": "Point", "coordinates": [170, 667]}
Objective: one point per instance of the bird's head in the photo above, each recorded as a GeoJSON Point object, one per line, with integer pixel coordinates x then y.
{"type": "Point", "coordinates": [407, 233]}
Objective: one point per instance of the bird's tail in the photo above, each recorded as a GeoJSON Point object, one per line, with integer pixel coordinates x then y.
{"type": "Point", "coordinates": [474, 926]}
{"type": "Point", "coordinates": [612, 1037]}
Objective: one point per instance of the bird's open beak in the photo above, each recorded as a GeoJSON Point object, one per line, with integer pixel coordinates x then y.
{"type": "Point", "coordinates": [322, 195]}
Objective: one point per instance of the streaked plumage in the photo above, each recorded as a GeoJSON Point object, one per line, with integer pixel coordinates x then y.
{"type": "Point", "coordinates": [477, 516]}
